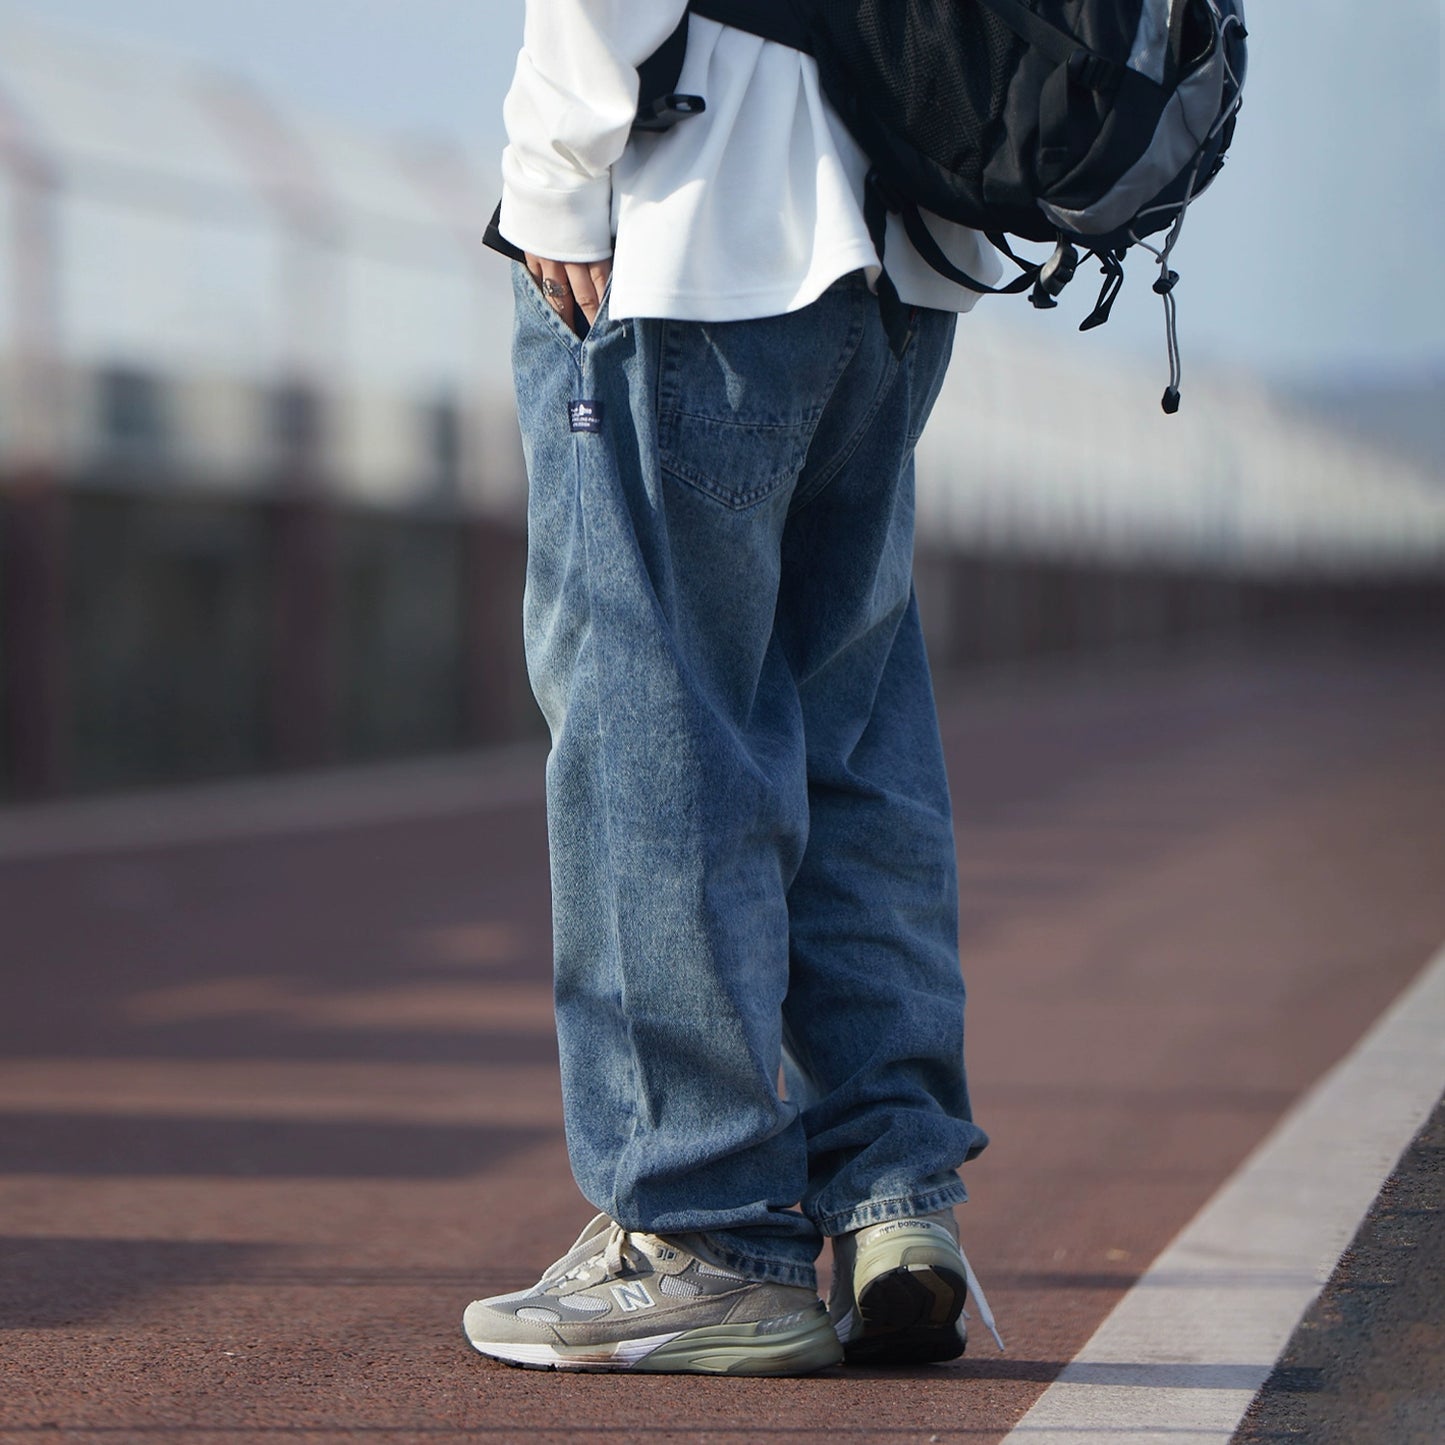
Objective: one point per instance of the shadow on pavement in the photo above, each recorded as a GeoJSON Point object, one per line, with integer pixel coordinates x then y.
{"type": "Point", "coordinates": [82, 1145]}
{"type": "Point", "coordinates": [384, 944]}
{"type": "Point", "coordinates": [62, 1283]}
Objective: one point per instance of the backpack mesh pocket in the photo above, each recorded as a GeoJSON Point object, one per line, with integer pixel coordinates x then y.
{"type": "Point", "coordinates": [934, 71]}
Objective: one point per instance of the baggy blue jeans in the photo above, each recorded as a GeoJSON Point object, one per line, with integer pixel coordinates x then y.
{"type": "Point", "coordinates": [750, 831]}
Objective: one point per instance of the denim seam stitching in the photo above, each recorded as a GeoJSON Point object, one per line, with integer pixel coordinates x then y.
{"type": "Point", "coordinates": [897, 1206]}
{"type": "Point", "coordinates": [845, 453]}
{"type": "Point", "coordinates": [914, 437]}
{"type": "Point", "coordinates": [733, 501]}
{"type": "Point", "coordinates": [557, 329]}
{"type": "Point", "coordinates": [669, 411]}
{"type": "Point", "coordinates": [570, 343]}
{"type": "Point", "coordinates": [635, 1089]}
{"type": "Point", "coordinates": [810, 418]}
{"type": "Point", "coordinates": [782, 1271]}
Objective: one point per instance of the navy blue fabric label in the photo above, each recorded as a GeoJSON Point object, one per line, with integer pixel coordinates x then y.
{"type": "Point", "coordinates": [585, 415]}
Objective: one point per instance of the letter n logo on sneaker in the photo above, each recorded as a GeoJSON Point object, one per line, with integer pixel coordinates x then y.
{"type": "Point", "coordinates": [632, 1297]}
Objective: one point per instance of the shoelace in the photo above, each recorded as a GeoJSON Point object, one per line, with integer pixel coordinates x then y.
{"type": "Point", "coordinates": [976, 1293]}
{"type": "Point", "coordinates": [621, 1252]}
{"type": "Point", "coordinates": [616, 1252]}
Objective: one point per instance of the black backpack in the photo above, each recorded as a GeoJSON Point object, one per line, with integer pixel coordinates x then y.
{"type": "Point", "coordinates": [1091, 124]}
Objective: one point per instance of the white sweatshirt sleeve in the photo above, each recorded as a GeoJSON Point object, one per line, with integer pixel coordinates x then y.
{"type": "Point", "coordinates": [568, 115]}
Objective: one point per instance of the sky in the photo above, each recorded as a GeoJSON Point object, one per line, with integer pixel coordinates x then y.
{"type": "Point", "coordinates": [1313, 255]}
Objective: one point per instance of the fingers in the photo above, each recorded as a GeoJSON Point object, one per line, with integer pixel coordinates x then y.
{"type": "Point", "coordinates": [584, 294]}
{"type": "Point", "coordinates": [556, 286]}
{"type": "Point", "coordinates": [571, 286]}
{"type": "Point", "coordinates": [597, 273]}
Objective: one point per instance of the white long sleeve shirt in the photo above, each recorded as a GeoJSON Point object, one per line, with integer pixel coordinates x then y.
{"type": "Point", "coordinates": [753, 208]}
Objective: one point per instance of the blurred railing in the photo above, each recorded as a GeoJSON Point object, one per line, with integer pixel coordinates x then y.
{"type": "Point", "coordinates": [261, 491]}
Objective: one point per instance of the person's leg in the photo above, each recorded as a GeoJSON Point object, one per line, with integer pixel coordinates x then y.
{"type": "Point", "coordinates": [663, 459]}
{"type": "Point", "coordinates": [693, 828]}
{"type": "Point", "coordinates": [874, 1013]}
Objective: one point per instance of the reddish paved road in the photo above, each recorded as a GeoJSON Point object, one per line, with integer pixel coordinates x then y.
{"type": "Point", "coordinates": [273, 1108]}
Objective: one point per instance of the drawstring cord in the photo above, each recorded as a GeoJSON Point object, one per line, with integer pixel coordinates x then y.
{"type": "Point", "coordinates": [1164, 286]}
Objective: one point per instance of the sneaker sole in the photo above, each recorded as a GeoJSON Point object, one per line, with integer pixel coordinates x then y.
{"type": "Point", "coordinates": [909, 1315]}
{"type": "Point", "coordinates": [793, 1345]}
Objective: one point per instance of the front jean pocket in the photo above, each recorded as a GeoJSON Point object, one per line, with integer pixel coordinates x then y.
{"type": "Point", "coordinates": [928, 365]}
{"type": "Point", "coordinates": [541, 314]}
{"type": "Point", "coordinates": [739, 401]}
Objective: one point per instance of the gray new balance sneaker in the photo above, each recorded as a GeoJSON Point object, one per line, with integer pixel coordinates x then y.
{"type": "Point", "coordinates": [626, 1301]}
{"type": "Point", "coordinates": [899, 1290]}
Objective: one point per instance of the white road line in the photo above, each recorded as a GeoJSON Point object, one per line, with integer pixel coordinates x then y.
{"type": "Point", "coordinates": [1185, 1351]}
{"type": "Point", "coordinates": [307, 802]}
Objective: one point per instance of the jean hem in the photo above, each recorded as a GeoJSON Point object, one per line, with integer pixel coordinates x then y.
{"type": "Point", "coordinates": [764, 1269]}
{"type": "Point", "coordinates": [880, 1211]}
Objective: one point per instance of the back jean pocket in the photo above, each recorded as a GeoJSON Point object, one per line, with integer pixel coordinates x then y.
{"type": "Point", "coordinates": [739, 401]}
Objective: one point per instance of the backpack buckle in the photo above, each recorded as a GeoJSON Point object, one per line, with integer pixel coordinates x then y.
{"type": "Point", "coordinates": [665, 112]}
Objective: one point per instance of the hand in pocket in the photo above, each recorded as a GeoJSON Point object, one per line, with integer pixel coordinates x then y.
{"type": "Point", "coordinates": [571, 286]}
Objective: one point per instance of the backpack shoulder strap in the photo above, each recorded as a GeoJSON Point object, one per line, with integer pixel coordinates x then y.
{"type": "Point", "coordinates": [659, 107]}
{"type": "Point", "coordinates": [1045, 38]}
{"type": "Point", "coordinates": [1094, 70]}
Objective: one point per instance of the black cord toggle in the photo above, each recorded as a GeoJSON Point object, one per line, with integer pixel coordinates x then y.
{"type": "Point", "coordinates": [1054, 275]}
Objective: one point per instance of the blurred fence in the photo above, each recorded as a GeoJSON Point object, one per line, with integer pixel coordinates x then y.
{"type": "Point", "coordinates": [261, 489]}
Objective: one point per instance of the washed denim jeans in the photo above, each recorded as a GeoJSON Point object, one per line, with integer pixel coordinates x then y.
{"type": "Point", "coordinates": [752, 851]}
